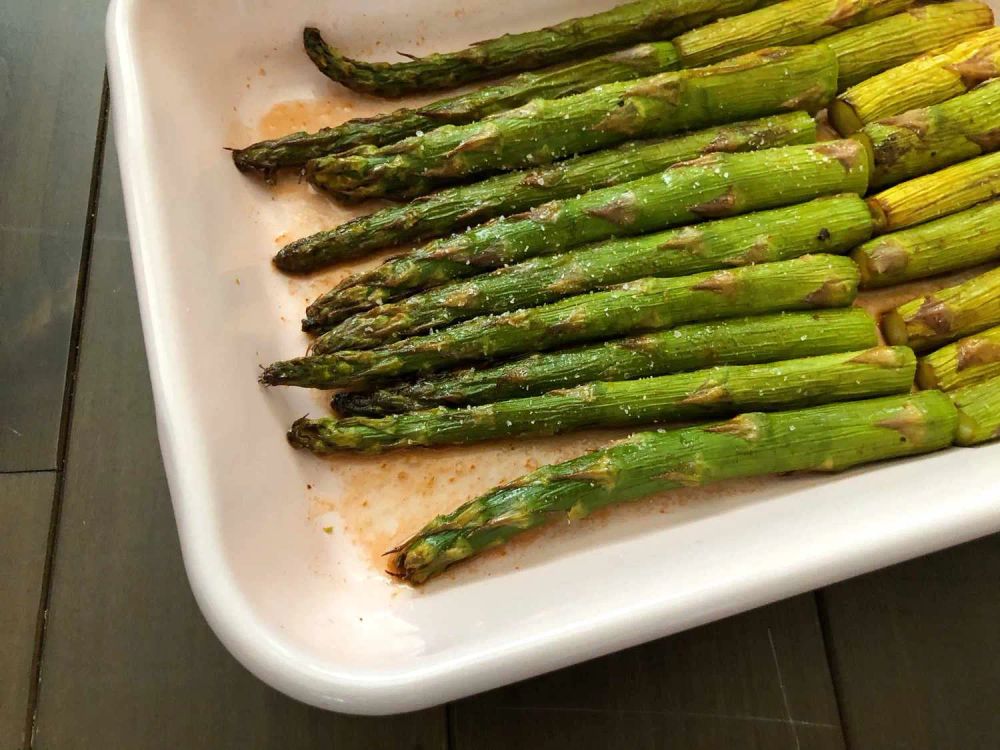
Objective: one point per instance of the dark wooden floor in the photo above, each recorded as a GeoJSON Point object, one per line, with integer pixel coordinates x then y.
{"type": "Point", "coordinates": [101, 644]}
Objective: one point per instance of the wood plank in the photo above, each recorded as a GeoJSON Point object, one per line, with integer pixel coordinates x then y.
{"type": "Point", "coordinates": [25, 505]}
{"type": "Point", "coordinates": [758, 680]}
{"type": "Point", "coordinates": [916, 653]}
{"type": "Point", "coordinates": [128, 660]}
{"type": "Point", "coordinates": [51, 68]}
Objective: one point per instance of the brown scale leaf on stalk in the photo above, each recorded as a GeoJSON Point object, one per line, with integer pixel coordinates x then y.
{"type": "Point", "coordinates": [976, 69]}
{"type": "Point", "coordinates": [668, 90]}
{"type": "Point", "coordinates": [624, 119]}
{"type": "Point", "coordinates": [810, 99]}
{"type": "Point", "coordinates": [568, 282]}
{"type": "Point", "coordinates": [888, 257]}
{"type": "Point", "coordinates": [708, 393]}
{"type": "Point", "coordinates": [688, 474]}
{"type": "Point", "coordinates": [725, 283]}
{"type": "Point", "coordinates": [688, 240]}
{"type": "Point", "coordinates": [602, 472]}
{"type": "Point", "coordinates": [718, 207]}
{"type": "Point", "coordinates": [759, 252]}
{"type": "Point", "coordinates": [848, 153]}
{"type": "Point", "coordinates": [879, 356]}
{"type": "Point", "coordinates": [973, 352]}
{"type": "Point", "coordinates": [827, 292]}
{"type": "Point", "coordinates": [745, 427]}
{"type": "Point", "coordinates": [620, 210]}
{"type": "Point", "coordinates": [909, 423]}
{"type": "Point", "coordinates": [571, 322]}
{"type": "Point", "coordinates": [916, 120]}
{"type": "Point", "coordinates": [935, 315]}
{"type": "Point", "coordinates": [486, 139]}
{"type": "Point", "coordinates": [988, 141]}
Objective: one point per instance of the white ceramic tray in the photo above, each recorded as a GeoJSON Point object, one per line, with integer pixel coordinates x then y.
{"type": "Point", "coordinates": [281, 548]}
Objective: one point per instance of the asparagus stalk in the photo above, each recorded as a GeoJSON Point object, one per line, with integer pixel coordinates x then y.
{"type": "Point", "coordinates": [940, 193]}
{"type": "Point", "coordinates": [823, 438]}
{"type": "Point", "coordinates": [923, 140]}
{"type": "Point", "coordinates": [553, 83]}
{"type": "Point", "coordinates": [961, 240]}
{"type": "Point", "coordinates": [720, 391]}
{"type": "Point", "coordinates": [809, 282]}
{"type": "Point", "coordinates": [831, 224]}
{"type": "Point", "coordinates": [870, 49]}
{"type": "Point", "coordinates": [642, 21]}
{"type": "Point", "coordinates": [766, 338]}
{"type": "Point", "coordinates": [930, 79]}
{"type": "Point", "coordinates": [712, 186]}
{"type": "Point", "coordinates": [457, 207]}
{"type": "Point", "coordinates": [946, 315]}
{"type": "Point", "coordinates": [777, 79]}
{"type": "Point", "coordinates": [789, 22]}
{"type": "Point", "coordinates": [978, 412]}
{"type": "Point", "coordinates": [966, 362]}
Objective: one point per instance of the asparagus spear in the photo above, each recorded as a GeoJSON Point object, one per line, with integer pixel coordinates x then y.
{"type": "Point", "coordinates": [789, 22]}
{"type": "Point", "coordinates": [766, 338]}
{"type": "Point", "coordinates": [766, 82]}
{"type": "Point", "coordinates": [961, 240]}
{"type": "Point", "coordinates": [946, 315]}
{"type": "Point", "coordinates": [455, 208]}
{"type": "Point", "coordinates": [978, 412]}
{"type": "Point", "coordinates": [967, 361]}
{"type": "Point", "coordinates": [940, 193]}
{"type": "Point", "coordinates": [822, 438]}
{"type": "Point", "coordinates": [870, 49]}
{"type": "Point", "coordinates": [720, 391]}
{"type": "Point", "coordinates": [712, 186]}
{"type": "Point", "coordinates": [922, 140]}
{"type": "Point", "coordinates": [930, 79]}
{"type": "Point", "coordinates": [831, 224]}
{"type": "Point", "coordinates": [642, 21]}
{"type": "Point", "coordinates": [553, 83]}
{"type": "Point", "coordinates": [809, 282]}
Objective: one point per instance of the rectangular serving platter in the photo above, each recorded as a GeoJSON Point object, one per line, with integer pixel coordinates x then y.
{"type": "Point", "coordinates": [282, 549]}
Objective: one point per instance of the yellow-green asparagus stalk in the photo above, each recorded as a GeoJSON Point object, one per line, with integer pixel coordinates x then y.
{"type": "Point", "coordinates": [702, 394]}
{"type": "Point", "coordinates": [940, 193]}
{"type": "Point", "coordinates": [868, 50]}
{"type": "Point", "coordinates": [966, 362]}
{"type": "Point", "coordinates": [810, 282]}
{"type": "Point", "coordinates": [713, 186]}
{"type": "Point", "coordinates": [773, 80]}
{"type": "Point", "coordinates": [957, 241]}
{"type": "Point", "coordinates": [946, 315]}
{"type": "Point", "coordinates": [822, 438]}
{"type": "Point", "coordinates": [978, 412]}
{"type": "Point", "coordinates": [621, 26]}
{"type": "Point", "coordinates": [789, 22]}
{"type": "Point", "coordinates": [832, 224]}
{"type": "Point", "coordinates": [552, 83]}
{"type": "Point", "coordinates": [455, 208]}
{"type": "Point", "coordinates": [930, 79]}
{"type": "Point", "coordinates": [741, 341]}
{"type": "Point", "coordinates": [922, 140]}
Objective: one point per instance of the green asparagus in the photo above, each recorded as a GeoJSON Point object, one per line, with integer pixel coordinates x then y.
{"type": "Point", "coordinates": [702, 394]}
{"type": "Point", "coordinates": [711, 186]}
{"type": "Point", "coordinates": [298, 148]}
{"type": "Point", "coordinates": [930, 79]}
{"type": "Point", "coordinates": [940, 193]}
{"type": "Point", "coordinates": [457, 207]}
{"type": "Point", "coordinates": [766, 338]}
{"type": "Point", "coordinates": [813, 281]}
{"type": "Point", "coordinates": [957, 241]}
{"type": "Point", "coordinates": [966, 362]}
{"type": "Point", "coordinates": [946, 315]}
{"type": "Point", "coordinates": [789, 22]}
{"type": "Point", "coordinates": [870, 49]}
{"type": "Point", "coordinates": [825, 225]}
{"type": "Point", "coordinates": [923, 140]}
{"type": "Point", "coordinates": [978, 412]}
{"type": "Point", "coordinates": [643, 21]}
{"type": "Point", "coordinates": [823, 438]}
{"type": "Point", "coordinates": [778, 79]}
